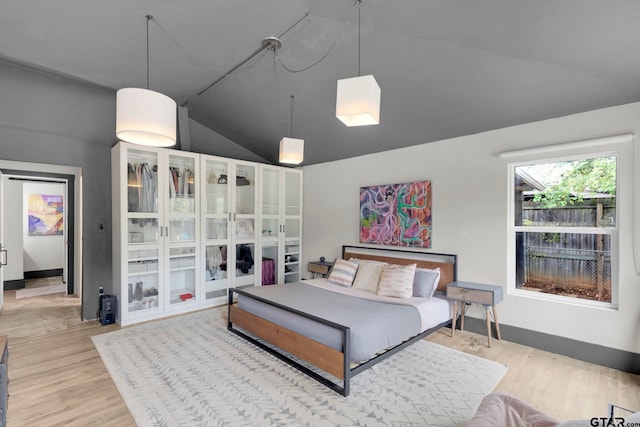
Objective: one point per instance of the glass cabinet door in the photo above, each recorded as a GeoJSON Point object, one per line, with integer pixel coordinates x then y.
{"type": "Point", "coordinates": [245, 183]}
{"type": "Point", "coordinates": [216, 219]}
{"type": "Point", "coordinates": [182, 185]}
{"type": "Point", "coordinates": [292, 193]}
{"type": "Point", "coordinates": [182, 260]}
{"type": "Point", "coordinates": [244, 224]}
{"type": "Point", "coordinates": [270, 200]}
{"type": "Point", "coordinates": [270, 188]}
{"type": "Point", "coordinates": [181, 231]}
{"type": "Point", "coordinates": [271, 227]}
{"type": "Point", "coordinates": [270, 263]}
{"type": "Point", "coordinates": [142, 277]}
{"type": "Point", "coordinates": [142, 181]}
{"type": "Point", "coordinates": [143, 232]}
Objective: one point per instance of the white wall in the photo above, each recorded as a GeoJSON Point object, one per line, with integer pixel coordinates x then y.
{"type": "Point", "coordinates": [41, 252]}
{"type": "Point", "coordinates": [12, 228]}
{"type": "Point", "coordinates": [470, 218]}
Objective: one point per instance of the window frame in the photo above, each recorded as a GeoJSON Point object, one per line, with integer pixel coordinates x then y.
{"type": "Point", "coordinates": [513, 229]}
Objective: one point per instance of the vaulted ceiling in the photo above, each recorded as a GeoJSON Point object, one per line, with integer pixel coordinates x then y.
{"type": "Point", "coordinates": [446, 68]}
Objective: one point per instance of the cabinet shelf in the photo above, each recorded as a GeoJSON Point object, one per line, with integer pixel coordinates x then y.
{"type": "Point", "coordinates": [143, 273]}
{"type": "Point", "coordinates": [182, 268]}
{"type": "Point", "coordinates": [142, 260]}
{"type": "Point", "coordinates": [175, 296]}
{"type": "Point", "coordinates": [182, 256]}
{"type": "Point", "coordinates": [139, 306]}
{"type": "Point", "coordinates": [138, 245]}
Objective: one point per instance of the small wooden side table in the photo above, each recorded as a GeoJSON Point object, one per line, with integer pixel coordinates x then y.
{"type": "Point", "coordinates": [319, 267]}
{"type": "Point", "coordinates": [468, 292]}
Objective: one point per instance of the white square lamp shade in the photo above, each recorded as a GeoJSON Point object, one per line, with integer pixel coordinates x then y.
{"type": "Point", "coordinates": [358, 101]}
{"type": "Point", "coordinates": [145, 117]}
{"type": "Point", "coordinates": [291, 151]}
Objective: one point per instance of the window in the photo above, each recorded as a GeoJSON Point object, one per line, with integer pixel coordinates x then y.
{"type": "Point", "coordinates": [565, 227]}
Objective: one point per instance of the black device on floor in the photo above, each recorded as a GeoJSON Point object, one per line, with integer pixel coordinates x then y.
{"type": "Point", "coordinates": [107, 308]}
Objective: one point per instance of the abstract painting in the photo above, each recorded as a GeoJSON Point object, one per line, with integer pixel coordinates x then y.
{"type": "Point", "coordinates": [396, 214]}
{"type": "Point", "coordinates": [45, 215]}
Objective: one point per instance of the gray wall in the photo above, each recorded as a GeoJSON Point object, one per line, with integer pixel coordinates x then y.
{"type": "Point", "coordinates": [45, 118]}
{"type": "Point", "coordinates": [53, 120]}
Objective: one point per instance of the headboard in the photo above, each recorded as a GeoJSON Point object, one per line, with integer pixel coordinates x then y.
{"type": "Point", "coordinates": [446, 262]}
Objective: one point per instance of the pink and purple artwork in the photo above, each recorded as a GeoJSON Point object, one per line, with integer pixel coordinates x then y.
{"type": "Point", "coordinates": [45, 215]}
{"type": "Point", "coordinates": [396, 214]}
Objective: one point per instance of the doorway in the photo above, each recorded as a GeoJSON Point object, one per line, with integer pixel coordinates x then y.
{"type": "Point", "coordinates": [45, 223]}
{"type": "Point", "coordinates": [31, 175]}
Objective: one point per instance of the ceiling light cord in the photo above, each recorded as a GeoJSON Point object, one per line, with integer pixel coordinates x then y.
{"type": "Point", "coordinates": [149, 17]}
{"type": "Point", "coordinates": [359, 2]}
{"type": "Point", "coordinates": [293, 105]}
{"type": "Point", "coordinates": [240, 66]}
{"type": "Point", "coordinates": [333, 44]}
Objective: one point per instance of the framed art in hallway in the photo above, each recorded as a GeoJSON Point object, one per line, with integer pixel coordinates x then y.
{"type": "Point", "coordinates": [396, 214]}
{"type": "Point", "coordinates": [45, 215]}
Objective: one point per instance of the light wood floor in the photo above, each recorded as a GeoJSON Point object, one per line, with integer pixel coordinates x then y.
{"type": "Point", "coordinates": [57, 377]}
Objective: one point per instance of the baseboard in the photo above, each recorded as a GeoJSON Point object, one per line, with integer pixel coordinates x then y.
{"type": "Point", "coordinates": [41, 274]}
{"type": "Point", "coordinates": [12, 285]}
{"type": "Point", "coordinates": [600, 355]}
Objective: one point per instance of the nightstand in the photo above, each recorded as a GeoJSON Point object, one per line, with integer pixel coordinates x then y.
{"type": "Point", "coordinates": [319, 267]}
{"type": "Point", "coordinates": [463, 293]}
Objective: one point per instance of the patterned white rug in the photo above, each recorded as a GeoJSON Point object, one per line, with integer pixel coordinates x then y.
{"type": "Point", "coordinates": [190, 371]}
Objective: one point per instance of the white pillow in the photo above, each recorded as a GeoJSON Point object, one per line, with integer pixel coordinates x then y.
{"type": "Point", "coordinates": [426, 282]}
{"type": "Point", "coordinates": [368, 275]}
{"type": "Point", "coordinates": [396, 281]}
{"type": "Point", "coordinates": [343, 272]}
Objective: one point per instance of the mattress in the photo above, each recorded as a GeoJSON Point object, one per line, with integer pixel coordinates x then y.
{"type": "Point", "coordinates": [376, 323]}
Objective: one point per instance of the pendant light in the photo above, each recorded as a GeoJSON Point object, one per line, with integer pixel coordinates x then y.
{"type": "Point", "coordinates": [358, 98]}
{"type": "Point", "coordinates": [145, 117]}
{"type": "Point", "coordinates": [291, 149]}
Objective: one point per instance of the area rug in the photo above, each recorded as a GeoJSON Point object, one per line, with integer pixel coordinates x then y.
{"type": "Point", "coordinates": [190, 371]}
{"type": "Point", "coordinates": [42, 290]}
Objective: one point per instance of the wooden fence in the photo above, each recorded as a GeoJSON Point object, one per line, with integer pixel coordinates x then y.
{"type": "Point", "coordinates": [570, 259]}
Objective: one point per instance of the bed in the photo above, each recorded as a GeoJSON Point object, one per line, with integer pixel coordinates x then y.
{"type": "Point", "coordinates": [333, 333]}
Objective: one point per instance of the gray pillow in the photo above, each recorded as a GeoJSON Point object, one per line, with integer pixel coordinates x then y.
{"type": "Point", "coordinates": [425, 282]}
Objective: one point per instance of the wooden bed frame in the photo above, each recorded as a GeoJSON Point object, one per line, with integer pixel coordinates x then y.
{"type": "Point", "coordinates": [295, 349]}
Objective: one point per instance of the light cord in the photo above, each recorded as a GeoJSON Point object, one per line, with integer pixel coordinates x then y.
{"type": "Point", "coordinates": [293, 105]}
{"type": "Point", "coordinates": [359, 3]}
{"type": "Point", "coordinates": [149, 17]}
{"type": "Point", "coordinates": [333, 44]}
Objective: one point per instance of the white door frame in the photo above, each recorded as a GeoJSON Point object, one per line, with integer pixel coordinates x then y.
{"type": "Point", "coordinates": [3, 254]}
{"type": "Point", "coordinates": [64, 170]}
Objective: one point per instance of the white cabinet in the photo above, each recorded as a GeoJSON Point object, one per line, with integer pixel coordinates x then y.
{"type": "Point", "coordinates": [229, 217]}
{"type": "Point", "coordinates": [188, 226]}
{"type": "Point", "coordinates": [155, 231]}
{"type": "Point", "coordinates": [280, 224]}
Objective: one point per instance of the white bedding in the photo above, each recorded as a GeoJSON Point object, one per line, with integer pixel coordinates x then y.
{"type": "Point", "coordinates": [432, 311]}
